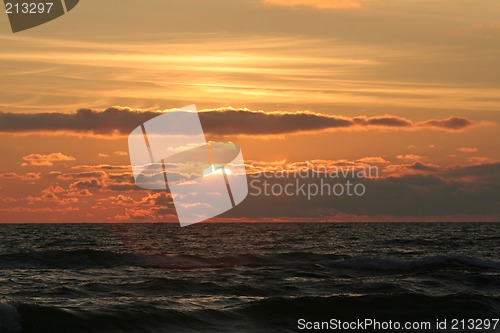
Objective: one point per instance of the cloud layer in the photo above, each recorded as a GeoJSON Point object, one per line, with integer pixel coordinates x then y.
{"type": "Point", "coordinates": [412, 191]}
{"type": "Point", "coordinates": [224, 121]}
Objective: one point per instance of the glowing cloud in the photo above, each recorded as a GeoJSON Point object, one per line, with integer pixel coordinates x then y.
{"type": "Point", "coordinates": [45, 160]}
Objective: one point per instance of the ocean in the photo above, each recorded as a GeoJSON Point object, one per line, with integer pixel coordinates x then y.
{"type": "Point", "coordinates": [260, 277]}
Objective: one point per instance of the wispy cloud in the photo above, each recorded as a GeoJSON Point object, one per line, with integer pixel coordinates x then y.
{"type": "Point", "coordinates": [320, 4]}
{"type": "Point", "coordinates": [251, 70]}
{"type": "Point", "coordinates": [31, 176]}
{"type": "Point", "coordinates": [468, 150]}
{"type": "Point", "coordinates": [481, 30]}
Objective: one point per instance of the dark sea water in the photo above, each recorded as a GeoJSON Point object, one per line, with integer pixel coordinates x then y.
{"type": "Point", "coordinates": [243, 277]}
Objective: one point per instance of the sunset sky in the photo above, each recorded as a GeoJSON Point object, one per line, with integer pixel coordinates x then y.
{"type": "Point", "coordinates": [412, 87]}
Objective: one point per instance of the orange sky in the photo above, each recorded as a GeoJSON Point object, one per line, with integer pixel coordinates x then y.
{"type": "Point", "coordinates": [416, 85]}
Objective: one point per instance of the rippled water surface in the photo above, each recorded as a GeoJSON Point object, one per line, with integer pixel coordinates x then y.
{"type": "Point", "coordinates": [242, 277]}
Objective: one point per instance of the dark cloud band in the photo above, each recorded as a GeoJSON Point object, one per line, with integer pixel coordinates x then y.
{"type": "Point", "coordinates": [217, 121]}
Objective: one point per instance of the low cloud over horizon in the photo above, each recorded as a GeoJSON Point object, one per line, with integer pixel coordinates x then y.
{"type": "Point", "coordinates": [438, 193]}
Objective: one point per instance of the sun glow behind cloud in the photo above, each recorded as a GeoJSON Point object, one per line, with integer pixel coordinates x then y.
{"type": "Point", "coordinates": [304, 72]}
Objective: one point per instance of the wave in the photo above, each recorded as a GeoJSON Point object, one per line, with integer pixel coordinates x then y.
{"type": "Point", "coordinates": [397, 307]}
{"type": "Point", "coordinates": [66, 259]}
{"type": "Point", "coordinates": [425, 263]}
{"type": "Point", "coordinates": [31, 318]}
{"type": "Point", "coordinates": [265, 314]}
{"type": "Point", "coordinates": [87, 258]}
{"type": "Point", "coordinates": [10, 319]}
